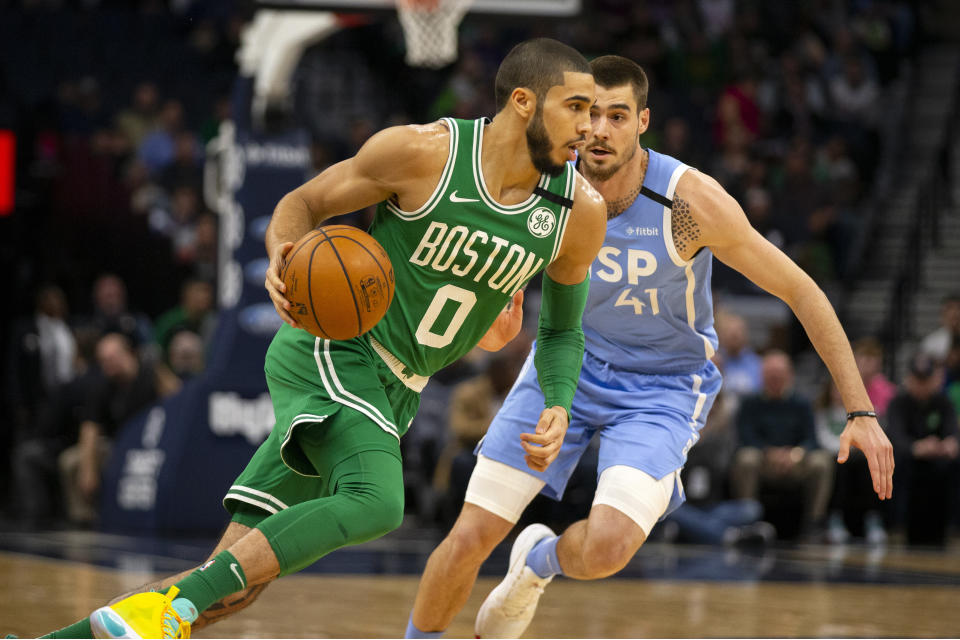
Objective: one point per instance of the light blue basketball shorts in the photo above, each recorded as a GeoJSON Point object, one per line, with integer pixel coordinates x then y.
{"type": "Point", "coordinates": [647, 422]}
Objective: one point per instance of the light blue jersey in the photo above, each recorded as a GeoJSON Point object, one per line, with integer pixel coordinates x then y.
{"type": "Point", "coordinates": [647, 383]}
{"type": "Point", "coordinates": [649, 310]}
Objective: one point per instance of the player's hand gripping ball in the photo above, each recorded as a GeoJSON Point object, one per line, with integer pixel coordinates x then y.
{"type": "Point", "coordinates": [339, 282]}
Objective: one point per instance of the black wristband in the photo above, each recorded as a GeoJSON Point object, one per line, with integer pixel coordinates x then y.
{"type": "Point", "coordinates": [861, 414]}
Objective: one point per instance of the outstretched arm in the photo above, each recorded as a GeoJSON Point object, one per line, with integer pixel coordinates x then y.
{"type": "Point", "coordinates": [724, 228]}
{"type": "Point", "coordinates": [559, 352]}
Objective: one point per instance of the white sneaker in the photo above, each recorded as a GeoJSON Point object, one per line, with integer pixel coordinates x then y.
{"type": "Point", "coordinates": [875, 534]}
{"type": "Point", "coordinates": [508, 610]}
{"type": "Point", "coordinates": [837, 532]}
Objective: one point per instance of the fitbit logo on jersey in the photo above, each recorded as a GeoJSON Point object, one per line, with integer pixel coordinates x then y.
{"type": "Point", "coordinates": [477, 255]}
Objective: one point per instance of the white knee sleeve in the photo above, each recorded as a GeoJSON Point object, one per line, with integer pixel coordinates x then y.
{"type": "Point", "coordinates": [639, 495]}
{"type": "Point", "coordinates": [501, 489]}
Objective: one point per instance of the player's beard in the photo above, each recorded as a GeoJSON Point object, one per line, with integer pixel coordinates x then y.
{"type": "Point", "coordinates": [602, 174]}
{"type": "Point", "coordinates": [540, 146]}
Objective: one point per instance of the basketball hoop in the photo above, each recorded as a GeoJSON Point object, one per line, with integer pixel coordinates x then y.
{"type": "Point", "coordinates": [430, 30]}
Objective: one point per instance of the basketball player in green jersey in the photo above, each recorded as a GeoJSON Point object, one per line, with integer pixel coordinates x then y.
{"type": "Point", "coordinates": [468, 211]}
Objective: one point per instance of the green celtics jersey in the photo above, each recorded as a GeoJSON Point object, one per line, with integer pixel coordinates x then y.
{"type": "Point", "coordinates": [460, 257]}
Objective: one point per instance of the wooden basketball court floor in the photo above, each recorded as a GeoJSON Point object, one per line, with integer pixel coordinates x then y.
{"type": "Point", "coordinates": [48, 580]}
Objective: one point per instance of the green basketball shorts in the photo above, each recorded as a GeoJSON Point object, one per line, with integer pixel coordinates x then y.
{"type": "Point", "coordinates": [319, 385]}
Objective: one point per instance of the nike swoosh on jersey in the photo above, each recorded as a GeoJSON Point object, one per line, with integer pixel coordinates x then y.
{"type": "Point", "coordinates": [455, 198]}
{"type": "Point", "coordinates": [233, 567]}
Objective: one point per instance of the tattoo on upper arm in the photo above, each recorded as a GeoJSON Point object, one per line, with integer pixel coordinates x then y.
{"type": "Point", "coordinates": [685, 230]}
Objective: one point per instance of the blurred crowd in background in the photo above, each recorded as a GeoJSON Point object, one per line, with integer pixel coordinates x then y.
{"type": "Point", "coordinates": [113, 250]}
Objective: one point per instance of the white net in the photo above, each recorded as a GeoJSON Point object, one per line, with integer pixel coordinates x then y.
{"type": "Point", "coordinates": [430, 30]}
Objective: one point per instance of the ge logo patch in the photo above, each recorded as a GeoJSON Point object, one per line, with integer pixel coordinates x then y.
{"type": "Point", "coordinates": [541, 222]}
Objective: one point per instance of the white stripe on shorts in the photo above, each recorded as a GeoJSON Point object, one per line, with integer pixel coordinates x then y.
{"type": "Point", "coordinates": [325, 366]}
{"type": "Point", "coordinates": [701, 397]}
{"type": "Point", "coordinates": [248, 500]}
{"type": "Point", "coordinates": [261, 494]}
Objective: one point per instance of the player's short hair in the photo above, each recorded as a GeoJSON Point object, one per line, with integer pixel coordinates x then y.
{"type": "Point", "coordinates": [536, 64]}
{"type": "Point", "coordinates": [616, 71]}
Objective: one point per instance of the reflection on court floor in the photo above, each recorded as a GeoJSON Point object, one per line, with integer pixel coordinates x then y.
{"type": "Point", "coordinates": [51, 579]}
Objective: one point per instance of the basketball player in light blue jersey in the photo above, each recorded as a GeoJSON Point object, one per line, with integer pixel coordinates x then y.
{"type": "Point", "coordinates": [647, 382]}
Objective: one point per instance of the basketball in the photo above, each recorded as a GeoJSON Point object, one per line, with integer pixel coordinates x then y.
{"type": "Point", "coordinates": [339, 282]}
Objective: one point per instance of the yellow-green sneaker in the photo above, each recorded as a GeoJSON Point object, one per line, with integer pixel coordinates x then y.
{"type": "Point", "coordinates": [145, 615]}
